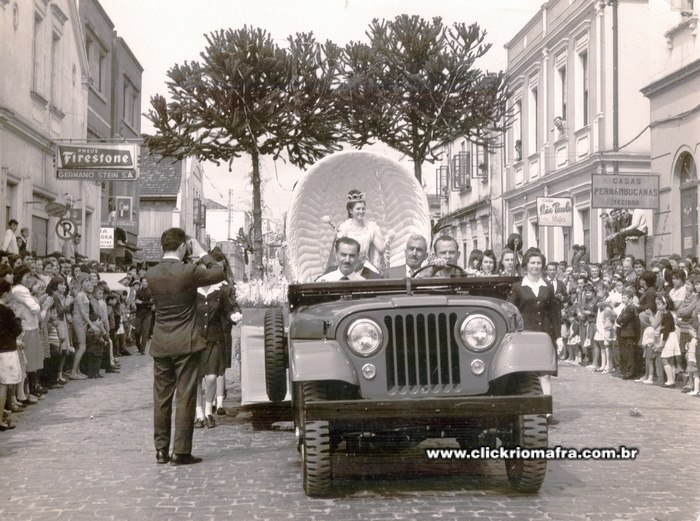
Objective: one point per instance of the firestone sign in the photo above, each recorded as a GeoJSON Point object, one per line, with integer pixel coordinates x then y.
{"type": "Point", "coordinates": [554, 211]}
{"type": "Point", "coordinates": [102, 162]}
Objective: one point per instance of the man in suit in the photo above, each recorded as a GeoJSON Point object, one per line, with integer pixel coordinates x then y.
{"type": "Point", "coordinates": [347, 252]}
{"type": "Point", "coordinates": [416, 253]}
{"type": "Point", "coordinates": [557, 285]}
{"type": "Point", "coordinates": [446, 251]}
{"type": "Point", "coordinates": [177, 344]}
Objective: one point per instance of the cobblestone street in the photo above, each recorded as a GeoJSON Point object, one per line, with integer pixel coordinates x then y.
{"type": "Point", "coordinates": [85, 452]}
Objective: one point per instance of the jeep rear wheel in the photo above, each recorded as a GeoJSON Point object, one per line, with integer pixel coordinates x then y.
{"type": "Point", "coordinates": [316, 456]}
{"type": "Point", "coordinates": [529, 432]}
{"type": "Point", "coordinates": [275, 356]}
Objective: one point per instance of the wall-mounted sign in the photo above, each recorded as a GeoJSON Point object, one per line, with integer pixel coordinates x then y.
{"type": "Point", "coordinates": [102, 162]}
{"type": "Point", "coordinates": [625, 191]}
{"type": "Point", "coordinates": [555, 211]}
{"type": "Point", "coordinates": [107, 238]}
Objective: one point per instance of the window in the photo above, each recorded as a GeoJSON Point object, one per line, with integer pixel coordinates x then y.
{"type": "Point", "coordinates": [582, 93]}
{"type": "Point", "coordinates": [55, 69]}
{"type": "Point", "coordinates": [461, 168]}
{"type": "Point", "coordinates": [97, 62]}
{"type": "Point", "coordinates": [585, 216]}
{"type": "Point", "coordinates": [517, 130]}
{"type": "Point", "coordinates": [135, 109]}
{"type": "Point", "coordinates": [128, 101]}
{"type": "Point", "coordinates": [38, 54]}
{"type": "Point", "coordinates": [102, 71]}
{"type": "Point", "coordinates": [533, 122]}
{"type": "Point", "coordinates": [560, 93]}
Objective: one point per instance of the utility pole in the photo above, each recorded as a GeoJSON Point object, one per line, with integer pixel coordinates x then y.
{"type": "Point", "coordinates": [615, 86]}
{"type": "Point", "coordinates": [230, 209]}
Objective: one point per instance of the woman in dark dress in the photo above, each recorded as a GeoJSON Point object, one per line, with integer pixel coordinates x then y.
{"type": "Point", "coordinates": [535, 299]}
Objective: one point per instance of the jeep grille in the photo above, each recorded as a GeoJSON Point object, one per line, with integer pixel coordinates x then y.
{"type": "Point", "coordinates": [422, 356]}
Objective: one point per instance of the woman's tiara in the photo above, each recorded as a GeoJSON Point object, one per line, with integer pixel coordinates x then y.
{"type": "Point", "coordinates": [354, 198]}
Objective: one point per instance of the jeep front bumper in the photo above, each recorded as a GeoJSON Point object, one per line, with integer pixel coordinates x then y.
{"type": "Point", "coordinates": [447, 407]}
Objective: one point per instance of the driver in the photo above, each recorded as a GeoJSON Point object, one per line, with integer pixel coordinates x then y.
{"type": "Point", "coordinates": [416, 252]}
{"type": "Point", "coordinates": [347, 253]}
{"type": "Point", "coordinates": [444, 263]}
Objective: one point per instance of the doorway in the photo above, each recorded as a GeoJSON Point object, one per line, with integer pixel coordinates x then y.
{"type": "Point", "coordinates": [689, 204]}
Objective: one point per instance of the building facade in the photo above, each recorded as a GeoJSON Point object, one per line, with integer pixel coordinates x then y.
{"type": "Point", "coordinates": [43, 102]}
{"type": "Point", "coordinates": [575, 73]}
{"type": "Point", "coordinates": [114, 115]}
{"type": "Point", "coordinates": [469, 198]}
{"type": "Point", "coordinates": [675, 123]}
{"type": "Point", "coordinates": [171, 195]}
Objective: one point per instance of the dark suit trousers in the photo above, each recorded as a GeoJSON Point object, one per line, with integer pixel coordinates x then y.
{"type": "Point", "coordinates": [171, 373]}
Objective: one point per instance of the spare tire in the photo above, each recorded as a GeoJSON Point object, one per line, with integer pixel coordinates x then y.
{"type": "Point", "coordinates": [275, 356]}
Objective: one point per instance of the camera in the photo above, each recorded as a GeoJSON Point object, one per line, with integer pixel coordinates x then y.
{"type": "Point", "coordinates": [188, 250]}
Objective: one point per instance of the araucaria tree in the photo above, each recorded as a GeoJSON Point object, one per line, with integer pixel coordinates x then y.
{"type": "Point", "coordinates": [415, 87]}
{"type": "Point", "coordinates": [249, 96]}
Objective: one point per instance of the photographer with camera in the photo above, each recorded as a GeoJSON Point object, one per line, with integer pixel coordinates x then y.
{"type": "Point", "coordinates": [177, 344]}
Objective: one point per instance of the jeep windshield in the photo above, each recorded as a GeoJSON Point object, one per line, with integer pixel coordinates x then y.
{"type": "Point", "coordinates": [317, 292]}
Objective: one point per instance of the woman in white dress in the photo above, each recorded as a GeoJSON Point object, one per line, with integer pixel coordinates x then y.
{"type": "Point", "coordinates": [367, 233]}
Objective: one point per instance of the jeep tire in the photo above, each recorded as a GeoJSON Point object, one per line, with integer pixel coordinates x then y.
{"type": "Point", "coordinates": [275, 356]}
{"type": "Point", "coordinates": [316, 458]}
{"type": "Point", "coordinates": [316, 448]}
{"type": "Point", "coordinates": [529, 432]}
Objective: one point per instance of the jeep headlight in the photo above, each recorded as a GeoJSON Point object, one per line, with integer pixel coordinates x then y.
{"type": "Point", "coordinates": [364, 336]}
{"type": "Point", "coordinates": [478, 332]}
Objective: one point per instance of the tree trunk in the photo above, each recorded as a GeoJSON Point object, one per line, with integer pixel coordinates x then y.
{"type": "Point", "coordinates": [258, 268]}
{"type": "Point", "coordinates": [417, 171]}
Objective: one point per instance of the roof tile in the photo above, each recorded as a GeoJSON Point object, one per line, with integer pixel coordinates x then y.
{"type": "Point", "coordinates": [159, 176]}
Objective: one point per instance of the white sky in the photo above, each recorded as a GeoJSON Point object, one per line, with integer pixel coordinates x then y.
{"type": "Point", "coordinates": [162, 33]}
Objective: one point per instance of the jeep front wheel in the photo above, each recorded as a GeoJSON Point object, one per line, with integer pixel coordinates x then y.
{"type": "Point", "coordinates": [316, 458]}
{"type": "Point", "coordinates": [529, 432]}
{"type": "Point", "coordinates": [275, 356]}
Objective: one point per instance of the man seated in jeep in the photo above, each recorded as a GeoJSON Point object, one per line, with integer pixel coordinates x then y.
{"type": "Point", "coordinates": [416, 252]}
{"type": "Point", "coordinates": [347, 253]}
{"type": "Point", "coordinates": [445, 258]}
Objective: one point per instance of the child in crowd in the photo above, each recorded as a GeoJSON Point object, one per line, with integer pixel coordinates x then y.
{"type": "Point", "coordinates": [669, 337]}
{"type": "Point", "coordinates": [51, 364]}
{"type": "Point", "coordinates": [599, 357]}
{"type": "Point", "coordinates": [692, 359]}
{"type": "Point", "coordinates": [650, 342]}
{"type": "Point", "coordinates": [573, 342]}
{"type": "Point", "coordinates": [587, 315]}
{"type": "Point", "coordinates": [95, 339]}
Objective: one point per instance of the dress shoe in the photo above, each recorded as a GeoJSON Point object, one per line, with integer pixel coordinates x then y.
{"type": "Point", "coordinates": [162, 456]}
{"type": "Point", "coordinates": [210, 422]}
{"type": "Point", "coordinates": [125, 353]}
{"type": "Point", "coordinates": [112, 369]}
{"type": "Point", "coordinates": [221, 411]}
{"type": "Point", "coordinates": [8, 427]}
{"type": "Point", "coordinates": [184, 459]}
{"type": "Point", "coordinates": [198, 423]}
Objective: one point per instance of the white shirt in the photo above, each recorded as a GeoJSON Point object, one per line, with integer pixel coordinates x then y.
{"type": "Point", "coordinates": [534, 286]}
{"type": "Point", "coordinates": [639, 221]}
{"type": "Point", "coordinates": [337, 275]}
{"type": "Point", "coordinates": [9, 243]}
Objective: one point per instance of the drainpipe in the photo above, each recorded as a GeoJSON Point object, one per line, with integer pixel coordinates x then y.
{"type": "Point", "coordinates": [615, 85]}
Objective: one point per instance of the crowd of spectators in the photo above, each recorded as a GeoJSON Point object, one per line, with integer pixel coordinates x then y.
{"type": "Point", "coordinates": [619, 317]}
{"type": "Point", "coordinates": [631, 320]}
{"type": "Point", "coordinates": [61, 321]}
